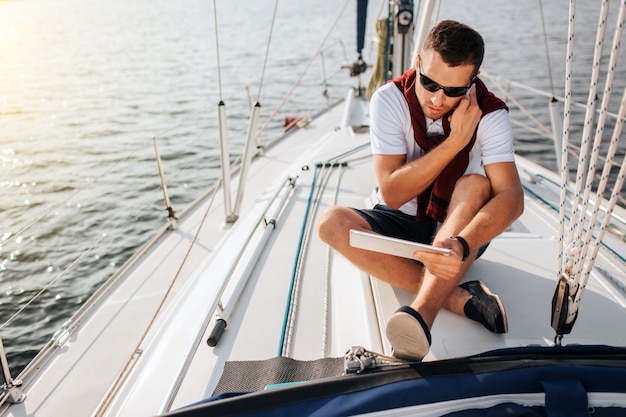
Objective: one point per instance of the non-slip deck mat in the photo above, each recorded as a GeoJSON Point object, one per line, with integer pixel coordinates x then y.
{"type": "Point", "coordinates": [247, 376]}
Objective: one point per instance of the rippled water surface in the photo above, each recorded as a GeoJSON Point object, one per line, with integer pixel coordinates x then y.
{"type": "Point", "coordinates": [84, 87]}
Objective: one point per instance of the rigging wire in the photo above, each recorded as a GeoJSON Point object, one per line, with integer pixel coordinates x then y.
{"type": "Point", "coordinates": [217, 51]}
{"type": "Point", "coordinates": [51, 282]}
{"type": "Point", "coordinates": [306, 67]}
{"type": "Point", "coordinates": [94, 245]}
{"type": "Point", "coordinates": [518, 104]}
{"type": "Point", "coordinates": [324, 176]}
{"type": "Point", "coordinates": [539, 128]}
{"type": "Point", "coordinates": [267, 51]}
{"type": "Point", "coordinates": [105, 172]}
{"type": "Point", "coordinates": [545, 43]}
{"type": "Point", "coordinates": [64, 201]}
{"type": "Point", "coordinates": [123, 374]}
{"type": "Point", "coordinates": [76, 261]}
{"type": "Point", "coordinates": [95, 179]}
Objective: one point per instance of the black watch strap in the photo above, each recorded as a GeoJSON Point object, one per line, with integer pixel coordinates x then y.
{"type": "Point", "coordinates": [466, 248]}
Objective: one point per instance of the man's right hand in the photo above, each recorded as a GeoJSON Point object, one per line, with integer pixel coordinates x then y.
{"type": "Point", "coordinates": [465, 118]}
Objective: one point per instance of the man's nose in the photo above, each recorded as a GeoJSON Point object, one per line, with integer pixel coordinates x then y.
{"type": "Point", "coordinates": [438, 98]}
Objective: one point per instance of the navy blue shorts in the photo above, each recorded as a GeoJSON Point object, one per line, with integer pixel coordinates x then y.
{"type": "Point", "coordinates": [394, 223]}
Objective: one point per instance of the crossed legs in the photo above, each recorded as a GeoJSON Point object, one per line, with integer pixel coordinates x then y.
{"type": "Point", "coordinates": [432, 293]}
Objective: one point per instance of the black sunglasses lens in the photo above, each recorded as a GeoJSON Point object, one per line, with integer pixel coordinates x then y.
{"type": "Point", "coordinates": [431, 86]}
{"type": "Point", "coordinates": [455, 91]}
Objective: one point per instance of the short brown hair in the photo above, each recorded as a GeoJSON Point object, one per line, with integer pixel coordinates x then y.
{"type": "Point", "coordinates": [457, 43]}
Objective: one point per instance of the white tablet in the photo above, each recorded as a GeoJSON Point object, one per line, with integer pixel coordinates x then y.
{"type": "Point", "coordinates": [391, 246]}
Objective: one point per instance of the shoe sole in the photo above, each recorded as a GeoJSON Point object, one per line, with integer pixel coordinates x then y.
{"type": "Point", "coordinates": [500, 305]}
{"type": "Point", "coordinates": [407, 337]}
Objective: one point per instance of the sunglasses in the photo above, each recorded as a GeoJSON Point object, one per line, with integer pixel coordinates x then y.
{"type": "Point", "coordinates": [433, 87]}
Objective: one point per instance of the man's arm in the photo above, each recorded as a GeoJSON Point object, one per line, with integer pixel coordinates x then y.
{"type": "Point", "coordinates": [400, 182]}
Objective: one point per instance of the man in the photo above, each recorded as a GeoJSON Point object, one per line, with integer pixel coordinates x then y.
{"type": "Point", "coordinates": [444, 178]}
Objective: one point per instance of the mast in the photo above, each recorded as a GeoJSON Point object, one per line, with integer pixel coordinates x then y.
{"type": "Point", "coordinates": [402, 20]}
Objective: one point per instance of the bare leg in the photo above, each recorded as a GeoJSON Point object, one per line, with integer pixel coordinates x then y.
{"type": "Point", "coordinates": [334, 229]}
{"type": "Point", "coordinates": [432, 294]}
{"type": "Point", "coordinates": [470, 195]}
{"type": "Point", "coordinates": [408, 330]}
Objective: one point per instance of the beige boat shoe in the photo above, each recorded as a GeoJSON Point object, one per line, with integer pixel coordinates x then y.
{"type": "Point", "coordinates": [408, 334]}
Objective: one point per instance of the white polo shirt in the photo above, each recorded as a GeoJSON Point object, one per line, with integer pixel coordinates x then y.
{"type": "Point", "coordinates": [391, 133]}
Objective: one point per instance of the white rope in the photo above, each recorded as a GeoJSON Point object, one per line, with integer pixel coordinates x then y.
{"type": "Point", "coordinates": [327, 276]}
{"type": "Point", "coordinates": [579, 256]}
{"type": "Point", "coordinates": [612, 202]}
{"type": "Point", "coordinates": [583, 271]}
{"type": "Point", "coordinates": [569, 63]}
{"type": "Point", "coordinates": [571, 263]}
{"type": "Point", "coordinates": [320, 182]}
{"type": "Point", "coordinates": [598, 140]}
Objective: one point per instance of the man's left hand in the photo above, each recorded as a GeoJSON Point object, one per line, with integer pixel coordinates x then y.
{"type": "Point", "coordinates": [443, 266]}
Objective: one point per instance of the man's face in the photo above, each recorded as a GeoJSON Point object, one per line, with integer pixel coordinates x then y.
{"type": "Point", "coordinates": [436, 104]}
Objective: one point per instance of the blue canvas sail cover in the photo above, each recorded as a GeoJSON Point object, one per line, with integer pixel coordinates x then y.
{"type": "Point", "coordinates": [565, 376]}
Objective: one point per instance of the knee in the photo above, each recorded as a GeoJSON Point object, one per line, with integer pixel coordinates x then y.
{"type": "Point", "coordinates": [478, 185]}
{"type": "Point", "coordinates": [334, 224]}
{"type": "Point", "coordinates": [328, 223]}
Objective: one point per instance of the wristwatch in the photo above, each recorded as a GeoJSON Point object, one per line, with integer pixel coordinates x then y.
{"type": "Point", "coordinates": [466, 248]}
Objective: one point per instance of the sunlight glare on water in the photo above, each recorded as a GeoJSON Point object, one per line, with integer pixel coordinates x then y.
{"type": "Point", "coordinates": [84, 86]}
